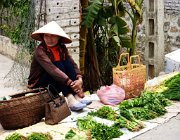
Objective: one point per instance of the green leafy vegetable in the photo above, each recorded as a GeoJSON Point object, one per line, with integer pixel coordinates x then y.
{"type": "Point", "coordinates": [98, 131]}
{"type": "Point", "coordinates": [104, 132]}
{"type": "Point", "coordinates": [15, 136]}
{"type": "Point", "coordinates": [105, 112]}
{"type": "Point", "coordinates": [39, 136]}
{"type": "Point", "coordinates": [148, 106]}
{"type": "Point", "coordinates": [172, 90]}
{"type": "Point", "coordinates": [122, 122]}
{"type": "Point", "coordinates": [70, 134]}
{"type": "Point", "coordinates": [141, 113]}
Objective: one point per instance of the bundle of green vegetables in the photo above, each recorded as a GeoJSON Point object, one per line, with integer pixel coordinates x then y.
{"type": "Point", "coordinates": [71, 135]}
{"type": "Point", "coordinates": [145, 98]}
{"type": "Point", "coordinates": [131, 125]}
{"type": "Point", "coordinates": [32, 136]}
{"type": "Point", "coordinates": [172, 88]}
{"type": "Point", "coordinates": [98, 131]}
{"type": "Point", "coordinates": [147, 106]}
{"type": "Point", "coordinates": [15, 136]}
{"type": "Point", "coordinates": [108, 113]}
{"type": "Point", "coordinates": [105, 112]}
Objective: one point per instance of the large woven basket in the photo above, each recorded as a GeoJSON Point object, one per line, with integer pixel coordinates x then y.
{"type": "Point", "coordinates": [22, 111]}
{"type": "Point", "coordinates": [130, 77]}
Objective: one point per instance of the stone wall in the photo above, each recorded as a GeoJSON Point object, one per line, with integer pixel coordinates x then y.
{"type": "Point", "coordinates": [170, 31]}
{"type": "Point", "coordinates": [172, 25]}
{"type": "Point", "coordinates": [7, 48]}
{"type": "Point", "coordinates": [172, 7]}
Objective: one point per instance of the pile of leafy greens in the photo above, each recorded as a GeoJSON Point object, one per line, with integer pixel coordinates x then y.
{"type": "Point", "coordinates": [132, 112]}
{"type": "Point", "coordinates": [108, 113]}
{"type": "Point", "coordinates": [172, 90]}
{"type": "Point", "coordinates": [32, 136]}
{"type": "Point", "coordinates": [147, 106]}
{"type": "Point", "coordinates": [98, 131]}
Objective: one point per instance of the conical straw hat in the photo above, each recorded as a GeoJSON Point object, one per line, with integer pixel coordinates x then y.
{"type": "Point", "coordinates": [51, 28]}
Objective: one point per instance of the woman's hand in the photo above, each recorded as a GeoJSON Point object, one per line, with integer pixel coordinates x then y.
{"type": "Point", "coordinates": [76, 85]}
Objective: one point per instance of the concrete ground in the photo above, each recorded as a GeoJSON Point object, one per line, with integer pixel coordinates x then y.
{"type": "Point", "coordinates": [8, 86]}
{"type": "Point", "coordinates": [167, 131]}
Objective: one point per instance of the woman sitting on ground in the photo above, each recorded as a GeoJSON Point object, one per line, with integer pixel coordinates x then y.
{"type": "Point", "coordinates": [52, 64]}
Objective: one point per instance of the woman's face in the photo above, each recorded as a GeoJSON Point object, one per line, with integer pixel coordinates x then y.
{"type": "Point", "coordinates": [51, 40]}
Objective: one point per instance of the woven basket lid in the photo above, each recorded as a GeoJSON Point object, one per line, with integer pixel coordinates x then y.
{"type": "Point", "coordinates": [51, 28]}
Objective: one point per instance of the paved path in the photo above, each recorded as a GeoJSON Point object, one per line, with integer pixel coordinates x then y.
{"type": "Point", "coordinates": [5, 85]}
{"type": "Point", "coordinates": [167, 131]}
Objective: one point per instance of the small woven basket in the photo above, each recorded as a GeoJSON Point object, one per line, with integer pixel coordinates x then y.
{"type": "Point", "coordinates": [130, 77]}
{"type": "Point", "coordinates": [22, 111]}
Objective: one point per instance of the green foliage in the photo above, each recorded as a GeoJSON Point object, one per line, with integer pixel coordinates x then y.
{"type": "Point", "coordinates": [118, 25]}
{"type": "Point", "coordinates": [98, 14]}
{"type": "Point", "coordinates": [148, 106]}
{"type": "Point", "coordinates": [134, 125]}
{"type": "Point", "coordinates": [105, 112]}
{"type": "Point", "coordinates": [104, 132]}
{"type": "Point", "coordinates": [32, 136]}
{"type": "Point", "coordinates": [121, 9]}
{"type": "Point", "coordinates": [39, 136]}
{"type": "Point", "coordinates": [143, 113]}
{"type": "Point", "coordinates": [86, 123]}
{"type": "Point", "coordinates": [71, 135]}
{"type": "Point", "coordinates": [98, 131]}
{"type": "Point", "coordinates": [172, 85]}
{"type": "Point", "coordinates": [15, 136]}
{"type": "Point", "coordinates": [6, 3]}
{"type": "Point", "coordinates": [18, 22]}
{"type": "Point", "coordinates": [108, 113]}
{"type": "Point", "coordinates": [110, 32]}
{"type": "Point", "coordinates": [135, 14]}
{"type": "Point", "coordinates": [93, 10]}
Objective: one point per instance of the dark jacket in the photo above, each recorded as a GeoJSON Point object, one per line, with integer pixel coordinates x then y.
{"type": "Point", "coordinates": [42, 62]}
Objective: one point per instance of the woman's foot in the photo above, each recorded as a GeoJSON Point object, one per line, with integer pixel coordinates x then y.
{"type": "Point", "coordinates": [74, 104]}
{"type": "Point", "coordinates": [83, 100]}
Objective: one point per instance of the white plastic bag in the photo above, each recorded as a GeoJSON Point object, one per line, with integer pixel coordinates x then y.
{"type": "Point", "coordinates": [111, 95]}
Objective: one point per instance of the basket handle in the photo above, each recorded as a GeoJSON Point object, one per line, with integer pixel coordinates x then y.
{"type": "Point", "coordinates": [134, 56]}
{"type": "Point", "coordinates": [26, 91]}
{"type": "Point", "coordinates": [120, 58]}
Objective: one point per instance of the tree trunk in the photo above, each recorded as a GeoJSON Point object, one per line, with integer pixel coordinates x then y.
{"type": "Point", "coordinates": [134, 38]}
{"type": "Point", "coordinates": [83, 38]}
{"type": "Point", "coordinates": [92, 73]}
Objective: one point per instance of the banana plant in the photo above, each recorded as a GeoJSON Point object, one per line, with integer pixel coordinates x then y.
{"type": "Point", "coordinates": [109, 32]}
{"type": "Point", "coordinates": [7, 3]}
{"type": "Point", "coordinates": [99, 14]}
{"type": "Point", "coordinates": [117, 24]}
{"type": "Point", "coordinates": [136, 18]}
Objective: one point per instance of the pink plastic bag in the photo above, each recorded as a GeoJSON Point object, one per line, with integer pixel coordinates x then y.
{"type": "Point", "coordinates": [111, 95]}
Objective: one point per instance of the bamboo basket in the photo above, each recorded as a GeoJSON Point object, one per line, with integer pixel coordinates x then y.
{"type": "Point", "coordinates": [131, 77]}
{"type": "Point", "coordinates": [22, 111]}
